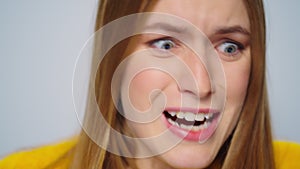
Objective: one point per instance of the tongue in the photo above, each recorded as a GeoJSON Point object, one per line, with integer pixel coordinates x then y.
{"type": "Point", "coordinates": [183, 121]}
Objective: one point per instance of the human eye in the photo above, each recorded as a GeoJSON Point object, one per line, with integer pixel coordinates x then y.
{"type": "Point", "coordinates": [231, 50]}
{"type": "Point", "coordinates": [163, 44]}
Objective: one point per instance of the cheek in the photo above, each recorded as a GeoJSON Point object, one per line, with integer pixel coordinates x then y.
{"type": "Point", "coordinates": [237, 78]}
{"type": "Point", "coordinates": [237, 86]}
{"type": "Point", "coordinates": [141, 96]}
{"type": "Point", "coordinates": [143, 85]}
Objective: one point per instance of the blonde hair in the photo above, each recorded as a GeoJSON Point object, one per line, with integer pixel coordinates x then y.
{"type": "Point", "coordinates": [250, 144]}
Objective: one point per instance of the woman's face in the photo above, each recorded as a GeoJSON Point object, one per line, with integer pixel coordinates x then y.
{"type": "Point", "coordinates": [226, 26]}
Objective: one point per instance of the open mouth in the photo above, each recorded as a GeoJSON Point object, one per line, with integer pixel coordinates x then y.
{"type": "Point", "coordinates": [189, 120]}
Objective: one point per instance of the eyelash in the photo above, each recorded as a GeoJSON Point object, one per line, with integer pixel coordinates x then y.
{"type": "Point", "coordinates": [237, 51]}
{"type": "Point", "coordinates": [165, 39]}
{"type": "Point", "coordinates": [239, 46]}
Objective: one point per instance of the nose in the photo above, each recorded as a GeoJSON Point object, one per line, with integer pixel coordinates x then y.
{"type": "Point", "coordinates": [196, 79]}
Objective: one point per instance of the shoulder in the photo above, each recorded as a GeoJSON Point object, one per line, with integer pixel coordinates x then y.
{"type": "Point", "coordinates": [40, 157]}
{"type": "Point", "coordinates": [287, 154]}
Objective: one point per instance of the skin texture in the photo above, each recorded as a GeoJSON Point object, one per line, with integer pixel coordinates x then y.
{"type": "Point", "coordinates": [207, 16]}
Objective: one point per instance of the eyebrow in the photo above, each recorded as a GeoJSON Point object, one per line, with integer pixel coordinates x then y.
{"type": "Point", "coordinates": [232, 29]}
{"type": "Point", "coordinates": [166, 26]}
{"type": "Point", "coordinates": [175, 28]}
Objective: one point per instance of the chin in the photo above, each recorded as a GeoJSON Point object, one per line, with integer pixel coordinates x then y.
{"type": "Point", "coordinates": [192, 157]}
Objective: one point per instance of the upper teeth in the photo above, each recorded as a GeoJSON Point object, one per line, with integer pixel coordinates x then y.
{"type": "Point", "coordinates": [188, 116]}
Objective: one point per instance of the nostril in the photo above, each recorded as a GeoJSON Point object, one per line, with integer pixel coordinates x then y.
{"type": "Point", "coordinates": [205, 92]}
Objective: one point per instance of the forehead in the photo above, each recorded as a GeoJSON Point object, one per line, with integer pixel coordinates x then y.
{"type": "Point", "coordinates": [207, 14]}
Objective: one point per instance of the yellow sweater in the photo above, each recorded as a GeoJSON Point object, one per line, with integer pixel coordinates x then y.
{"type": "Point", "coordinates": [287, 156]}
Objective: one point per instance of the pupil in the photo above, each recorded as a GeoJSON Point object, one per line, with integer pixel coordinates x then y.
{"type": "Point", "coordinates": [230, 49]}
{"type": "Point", "coordinates": [167, 46]}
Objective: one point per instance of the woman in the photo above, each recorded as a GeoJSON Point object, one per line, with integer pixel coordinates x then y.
{"type": "Point", "coordinates": [239, 147]}
{"type": "Point", "coordinates": [233, 132]}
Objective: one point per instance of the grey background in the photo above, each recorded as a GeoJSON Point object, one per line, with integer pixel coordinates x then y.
{"type": "Point", "coordinates": [39, 43]}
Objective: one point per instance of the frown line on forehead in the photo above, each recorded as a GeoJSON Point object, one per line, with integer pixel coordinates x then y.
{"type": "Point", "coordinates": [166, 26]}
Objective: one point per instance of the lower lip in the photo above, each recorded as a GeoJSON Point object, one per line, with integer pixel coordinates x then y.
{"type": "Point", "coordinates": [189, 135]}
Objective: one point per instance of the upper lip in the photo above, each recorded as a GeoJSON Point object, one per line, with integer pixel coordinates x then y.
{"type": "Point", "coordinates": [192, 110]}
